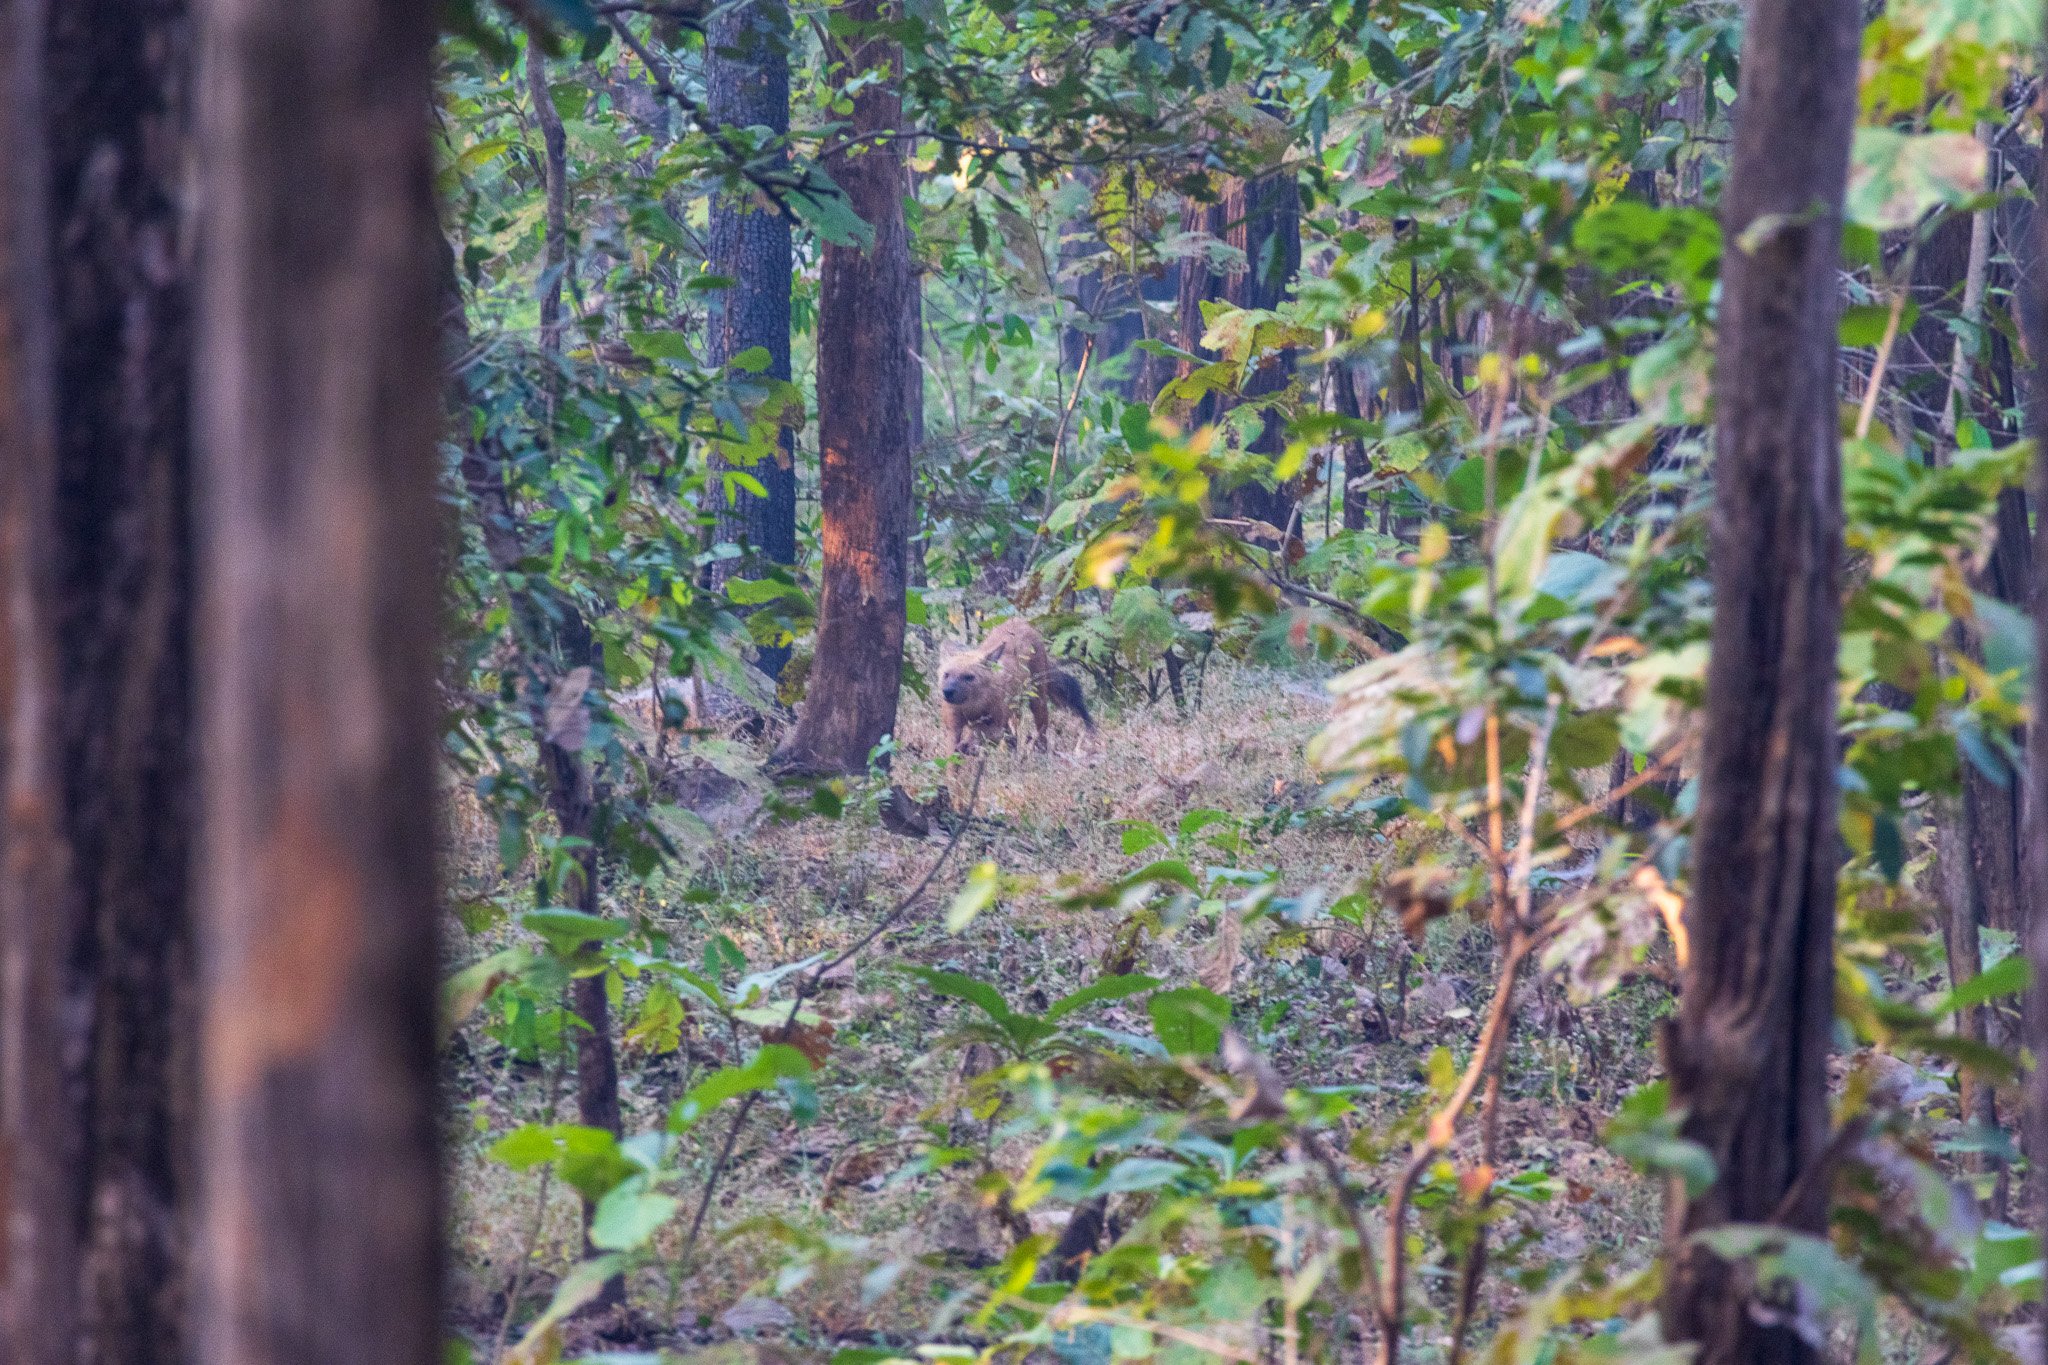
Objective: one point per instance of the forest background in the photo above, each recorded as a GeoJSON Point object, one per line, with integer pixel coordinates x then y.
{"type": "Point", "coordinates": [1536, 494]}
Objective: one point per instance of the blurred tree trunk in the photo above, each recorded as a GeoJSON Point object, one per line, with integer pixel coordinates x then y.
{"type": "Point", "coordinates": [1261, 218]}
{"type": "Point", "coordinates": [96, 706]}
{"type": "Point", "coordinates": [317, 448]}
{"type": "Point", "coordinates": [1979, 876]}
{"type": "Point", "coordinates": [865, 359]}
{"type": "Point", "coordinates": [1748, 1056]}
{"type": "Point", "coordinates": [746, 76]}
{"type": "Point", "coordinates": [2033, 316]}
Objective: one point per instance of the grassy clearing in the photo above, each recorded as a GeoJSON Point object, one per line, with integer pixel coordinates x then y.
{"type": "Point", "coordinates": [1330, 1002]}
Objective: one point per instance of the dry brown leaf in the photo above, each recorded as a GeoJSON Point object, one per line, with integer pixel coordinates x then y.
{"type": "Point", "coordinates": [1219, 964]}
{"type": "Point", "coordinates": [1420, 894]}
{"type": "Point", "coordinates": [813, 1040]}
{"type": "Point", "coordinates": [1265, 1097]}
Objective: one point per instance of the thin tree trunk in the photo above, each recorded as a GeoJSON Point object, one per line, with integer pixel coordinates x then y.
{"type": "Point", "coordinates": [96, 1011]}
{"type": "Point", "coordinates": [572, 790]}
{"type": "Point", "coordinates": [554, 139]}
{"type": "Point", "coordinates": [1260, 217]}
{"type": "Point", "coordinates": [1357, 463]}
{"type": "Point", "coordinates": [746, 74]}
{"type": "Point", "coordinates": [864, 435]}
{"type": "Point", "coordinates": [1977, 850]}
{"type": "Point", "coordinates": [318, 455]}
{"type": "Point", "coordinates": [2034, 321]}
{"type": "Point", "coordinates": [1748, 1057]}
{"type": "Point", "coordinates": [553, 639]}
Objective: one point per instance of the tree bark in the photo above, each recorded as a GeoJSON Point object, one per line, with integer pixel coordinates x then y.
{"type": "Point", "coordinates": [1261, 218]}
{"type": "Point", "coordinates": [1748, 1057]}
{"type": "Point", "coordinates": [864, 433]}
{"type": "Point", "coordinates": [1357, 462]}
{"type": "Point", "coordinates": [2034, 320]}
{"type": "Point", "coordinates": [318, 420]}
{"type": "Point", "coordinates": [96, 1010]}
{"type": "Point", "coordinates": [554, 142]}
{"type": "Point", "coordinates": [746, 73]}
{"type": "Point", "coordinates": [552, 640]}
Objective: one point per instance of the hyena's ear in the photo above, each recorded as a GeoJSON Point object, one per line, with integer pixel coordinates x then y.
{"type": "Point", "coordinates": [995, 656]}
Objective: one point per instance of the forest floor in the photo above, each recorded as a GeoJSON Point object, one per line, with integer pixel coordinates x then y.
{"type": "Point", "coordinates": [1337, 1004]}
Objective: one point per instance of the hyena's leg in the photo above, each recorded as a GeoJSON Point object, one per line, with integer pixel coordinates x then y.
{"type": "Point", "coordinates": [1042, 713]}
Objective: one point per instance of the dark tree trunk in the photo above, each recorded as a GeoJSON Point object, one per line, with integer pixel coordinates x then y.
{"type": "Point", "coordinates": [920, 539]}
{"type": "Point", "coordinates": [1748, 1057]}
{"type": "Point", "coordinates": [554, 142]}
{"type": "Point", "coordinates": [96, 709]}
{"type": "Point", "coordinates": [1357, 463]}
{"type": "Point", "coordinates": [553, 639]}
{"type": "Point", "coordinates": [318, 420]}
{"type": "Point", "coordinates": [571, 788]}
{"type": "Point", "coordinates": [864, 432]}
{"type": "Point", "coordinates": [746, 71]}
{"type": "Point", "coordinates": [1262, 218]}
{"type": "Point", "coordinates": [2034, 320]}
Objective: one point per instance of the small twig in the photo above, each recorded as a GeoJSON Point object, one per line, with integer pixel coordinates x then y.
{"type": "Point", "coordinates": [1354, 1211]}
{"type": "Point", "coordinates": [516, 1288]}
{"type": "Point", "coordinates": [1650, 773]}
{"type": "Point", "coordinates": [1366, 644]}
{"type": "Point", "coordinates": [1059, 439]}
{"type": "Point", "coordinates": [1868, 413]}
{"type": "Point", "coordinates": [778, 186]}
{"type": "Point", "coordinates": [1201, 1341]}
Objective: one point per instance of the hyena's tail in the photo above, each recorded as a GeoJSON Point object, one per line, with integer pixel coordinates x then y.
{"type": "Point", "coordinates": [1065, 690]}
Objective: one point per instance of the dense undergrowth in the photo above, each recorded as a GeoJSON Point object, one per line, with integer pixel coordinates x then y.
{"type": "Point", "coordinates": [1331, 1002]}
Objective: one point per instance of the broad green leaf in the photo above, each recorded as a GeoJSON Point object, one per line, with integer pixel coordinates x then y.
{"type": "Point", "coordinates": [629, 1216]}
{"type": "Point", "coordinates": [774, 1062]}
{"type": "Point", "coordinates": [1189, 1021]}
{"type": "Point", "coordinates": [1107, 988]}
{"type": "Point", "coordinates": [1895, 177]}
{"type": "Point", "coordinates": [566, 931]}
{"type": "Point", "coordinates": [960, 987]}
{"type": "Point", "coordinates": [2009, 977]}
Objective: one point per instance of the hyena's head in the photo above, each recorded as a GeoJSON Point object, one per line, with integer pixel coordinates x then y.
{"type": "Point", "coordinates": [969, 679]}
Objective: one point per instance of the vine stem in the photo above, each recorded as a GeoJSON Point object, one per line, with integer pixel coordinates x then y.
{"type": "Point", "coordinates": [807, 983]}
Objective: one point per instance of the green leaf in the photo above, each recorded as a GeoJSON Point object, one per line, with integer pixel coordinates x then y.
{"type": "Point", "coordinates": [2009, 977]}
{"type": "Point", "coordinates": [977, 895]}
{"type": "Point", "coordinates": [661, 345]}
{"type": "Point", "coordinates": [577, 1288]}
{"type": "Point", "coordinates": [960, 987]}
{"type": "Point", "coordinates": [1895, 177]}
{"type": "Point", "coordinates": [773, 1063]}
{"type": "Point", "coordinates": [566, 931]}
{"type": "Point", "coordinates": [1140, 835]}
{"type": "Point", "coordinates": [629, 1216]}
{"type": "Point", "coordinates": [1106, 988]}
{"type": "Point", "coordinates": [831, 216]}
{"type": "Point", "coordinates": [753, 360]}
{"type": "Point", "coordinates": [1166, 870]}
{"type": "Point", "coordinates": [1189, 1021]}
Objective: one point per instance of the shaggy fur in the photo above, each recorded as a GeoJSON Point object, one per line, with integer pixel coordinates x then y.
{"type": "Point", "coordinates": [983, 688]}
